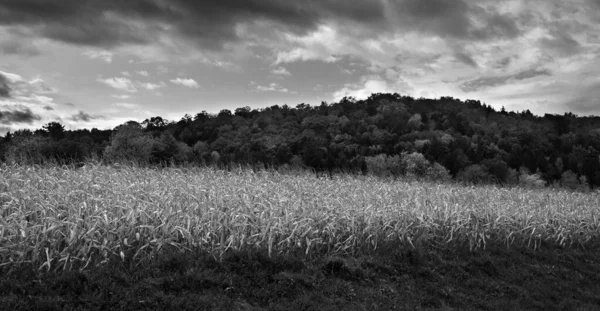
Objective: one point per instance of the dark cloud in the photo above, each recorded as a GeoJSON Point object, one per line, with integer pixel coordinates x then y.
{"type": "Point", "coordinates": [531, 73]}
{"type": "Point", "coordinates": [465, 59]}
{"type": "Point", "coordinates": [212, 23]}
{"type": "Point", "coordinates": [495, 25]}
{"type": "Point", "coordinates": [48, 108]}
{"type": "Point", "coordinates": [70, 104]}
{"type": "Point", "coordinates": [458, 19]}
{"type": "Point", "coordinates": [24, 115]}
{"type": "Point", "coordinates": [562, 43]}
{"type": "Point", "coordinates": [484, 82]}
{"type": "Point", "coordinates": [479, 83]}
{"type": "Point", "coordinates": [18, 47]}
{"type": "Point", "coordinates": [84, 117]}
{"type": "Point", "coordinates": [503, 63]}
{"type": "Point", "coordinates": [87, 22]}
{"type": "Point", "coordinates": [445, 18]}
{"type": "Point", "coordinates": [4, 88]}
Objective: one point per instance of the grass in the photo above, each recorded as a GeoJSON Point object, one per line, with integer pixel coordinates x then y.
{"type": "Point", "coordinates": [60, 222]}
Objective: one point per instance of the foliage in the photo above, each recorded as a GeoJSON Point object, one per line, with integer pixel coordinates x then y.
{"type": "Point", "coordinates": [384, 166]}
{"type": "Point", "coordinates": [472, 140]}
{"type": "Point", "coordinates": [414, 164]}
{"type": "Point", "coordinates": [528, 180]}
{"type": "Point", "coordinates": [130, 143]}
{"type": "Point", "coordinates": [437, 172]}
{"type": "Point", "coordinates": [474, 174]}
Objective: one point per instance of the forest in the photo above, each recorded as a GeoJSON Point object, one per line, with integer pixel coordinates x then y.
{"type": "Point", "coordinates": [387, 135]}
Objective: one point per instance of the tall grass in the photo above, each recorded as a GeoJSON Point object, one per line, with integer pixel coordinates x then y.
{"type": "Point", "coordinates": [61, 218]}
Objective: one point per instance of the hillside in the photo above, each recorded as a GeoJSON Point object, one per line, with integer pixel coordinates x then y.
{"type": "Point", "coordinates": [386, 134]}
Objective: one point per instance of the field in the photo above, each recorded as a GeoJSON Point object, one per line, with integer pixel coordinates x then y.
{"type": "Point", "coordinates": [130, 237]}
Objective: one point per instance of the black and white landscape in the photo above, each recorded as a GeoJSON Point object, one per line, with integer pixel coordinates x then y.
{"type": "Point", "coordinates": [299, 155]}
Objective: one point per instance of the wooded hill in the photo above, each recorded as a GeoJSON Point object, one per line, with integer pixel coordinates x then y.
{"type": "Point", "coordinates": [386, 134]}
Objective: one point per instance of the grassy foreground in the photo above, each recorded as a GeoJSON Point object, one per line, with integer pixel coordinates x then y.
{"type": "Point", "coordinates": [137, 238]}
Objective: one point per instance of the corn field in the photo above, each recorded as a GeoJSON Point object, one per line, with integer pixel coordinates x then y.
{"type": "Point", "coordinates": [59, 218]}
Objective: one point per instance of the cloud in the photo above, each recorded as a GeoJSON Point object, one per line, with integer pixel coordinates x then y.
{"type": "Point", "coordinates": [123, 84]}
{"type": "Point", "coordinates": [191, 83]}
{"type": "Point", "coordinates": [281, 71]}
{"type": "Point", "coordinates": [457, 19]}
{"type": "Point", "coordinates": [70, 104]}
{"type": "Point", "coordinates": [273, 87]}
{"type": "Point", "coordinates": [485, 82]}
{"type": "Point", "coordinates": [465, 59]}
{"type": "Point", "coordinates": [121, 96]}
{"type": "Point", "coordinates": [561, 43]}
{"type": "Point", "coordinates": [153, 86]}
{"type": "Point", "coordinates": [48, 108]}
{"type": "Point", "coordinates": [19, 114]}
{"type": "Point", "coordinates": [103, 55]}
{"type": "Point", "coordinates": [213, 24]}
{"type": "Point", "coordinates": [11, 77]}
{"type": "Point", "coordinates": [40, 86]}
{"type": "Point", "coordinates": [84, 117]}
{"type": "Point", "coordinates": [143, 73]}
{"type": "Point", "coordinates": [4, 87]}
{"type": "Point", "coordinates": [586, 100]}
{"type": "Point", "coordinates": [126, 105]}
{"type": "Point", "coordinates": [18, 47]}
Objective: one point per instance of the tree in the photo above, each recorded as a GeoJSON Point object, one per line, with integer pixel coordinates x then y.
{"type": "Point", "coordinates": [414, 164]}
{"type": "Point", "coordinates": [186, 136]}
{"type": "Point", "coordinates": [155, 123]}
{"type": "Point", "coordinates": [414, 123]}
{"type": "Point", "coordinates": [55, 130]}
{"type": "Point", "coordinates": [384, 166]}
{"type": "Point", "coordinates": [129, 143]}
{"type": "Point", "coordinates": [474, 174]}
{"type": "Point", "coordinates": [497, 169]}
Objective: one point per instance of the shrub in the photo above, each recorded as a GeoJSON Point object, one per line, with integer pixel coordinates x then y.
{"type": "Point", "coordinates": [129, 143]}
{"type": "Point", "coordinates": [438, 172]}
{"type": "Point", "coordinates": [474, 174]}
{"type": "Point", "coordinates": [569, 180]}
{"type": "Point", "coordinates": [384, 165]}
{"type": "Point", "coordinates": [27, 150]}
{"type": "Point", "coordinates": [497, 169]}
{"type": "Point", "coordinates": [527, 180]}
{"type": "Point", "coordinates": [414, 164]}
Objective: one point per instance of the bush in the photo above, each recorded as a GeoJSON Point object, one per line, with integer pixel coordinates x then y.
{"type": "Point", "coordinates": [569, 180]}
{"type": "Point", "coordinates": [530, 180]}
{"type": "Point", "coordinates": [414, 164]}
{"type": "Point", "coordinates": [27, 150]}
{"type": "Point", "coordinates": [129, 143]}
{"type": "Point", "coordinates": [474, 174]}
{"type": "Point", "coordinates": [438, 172]}
{"type": "Point", "coordinates": [384, 165]}
{"type": "Point", "coordinates": [497, 169]}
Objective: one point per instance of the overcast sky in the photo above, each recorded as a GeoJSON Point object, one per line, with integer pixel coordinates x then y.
{"type": "Point", "coordinates": [99, 63]}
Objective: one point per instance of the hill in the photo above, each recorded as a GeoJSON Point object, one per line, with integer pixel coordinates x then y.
{"type": "Point", "coordinates": [386, 134]}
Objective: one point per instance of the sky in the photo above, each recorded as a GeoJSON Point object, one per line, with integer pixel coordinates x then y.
{"type": "Point", "coordinates": [100, 63]}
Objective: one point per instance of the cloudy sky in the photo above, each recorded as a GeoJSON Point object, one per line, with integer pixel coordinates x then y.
{"type": "Point", "coordinates": [99, 63]}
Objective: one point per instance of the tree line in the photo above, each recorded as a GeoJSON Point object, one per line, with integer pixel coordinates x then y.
{"type": "Point", "coordinates": [386, 134]}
